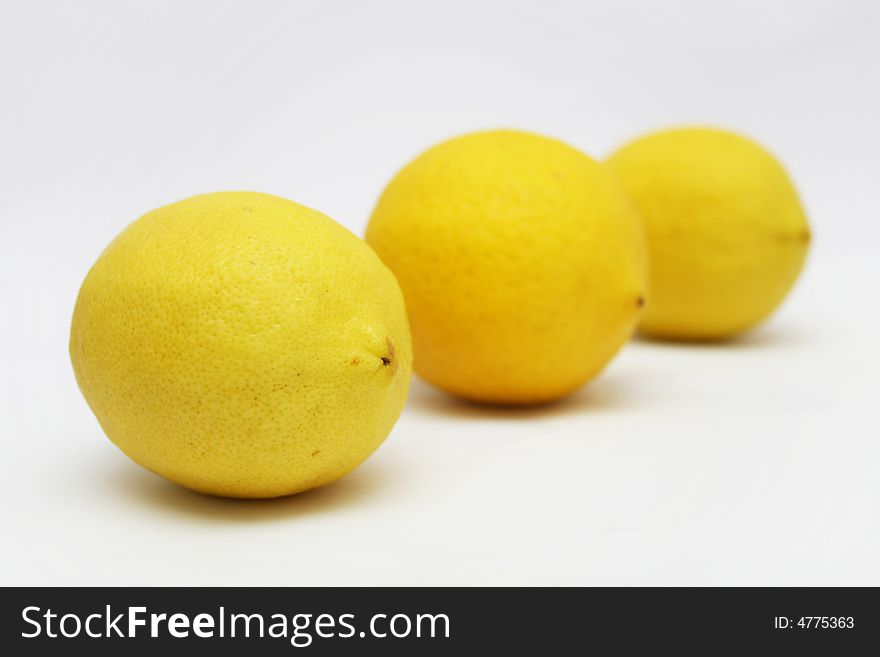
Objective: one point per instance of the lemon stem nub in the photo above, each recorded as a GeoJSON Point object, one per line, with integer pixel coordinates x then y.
{"type": "Point", "coordinates": [388, 359]}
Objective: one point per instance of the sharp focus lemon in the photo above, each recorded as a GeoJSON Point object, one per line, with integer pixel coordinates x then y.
{"type": "Point", "coordinates": [522, 262]}
{"type": "Point", "coordinates": [726, 231]}
{"type": "Point", "coordinates": [242, 345]}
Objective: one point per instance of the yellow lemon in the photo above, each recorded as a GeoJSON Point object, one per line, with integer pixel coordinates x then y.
{"type": "Point", "coordinates": [241, 344]}
{"type": "Point", "coordinates": [726, 231]}
{"type": "Point", "coordinates": [522, 262]}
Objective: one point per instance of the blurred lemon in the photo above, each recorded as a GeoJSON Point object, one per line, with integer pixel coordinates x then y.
{"type": "Point", "coordinates": [726, 231]}
{"type": "Point", "coordinates": [521, 260]}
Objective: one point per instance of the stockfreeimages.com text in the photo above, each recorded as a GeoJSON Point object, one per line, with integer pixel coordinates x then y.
{"type": "Point", "coordinates": [300, 629]}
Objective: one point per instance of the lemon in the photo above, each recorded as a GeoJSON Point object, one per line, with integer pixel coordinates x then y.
{"type": "Point", "coordinates": [243, 345]}
{"type": "Point", "coordinates": [726, 231]}
{"type": "Point", "coordinates": [522, 262]}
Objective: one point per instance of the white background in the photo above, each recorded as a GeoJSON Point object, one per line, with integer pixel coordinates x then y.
{"type": "Point", "coordinates": [754, 462]}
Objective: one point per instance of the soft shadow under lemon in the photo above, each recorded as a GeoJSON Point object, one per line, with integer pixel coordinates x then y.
{"type": "Point", "coordinates": [142, 488]}
{"type": "Point", "coordinates": [760, 337]}
{"type": "Point", "coordinates": [608, 393]}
